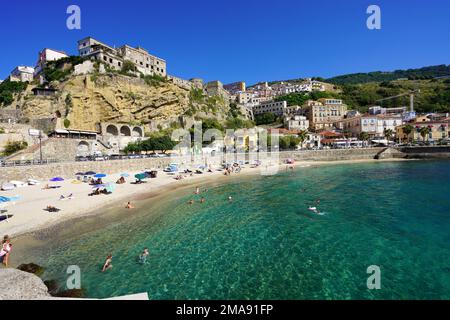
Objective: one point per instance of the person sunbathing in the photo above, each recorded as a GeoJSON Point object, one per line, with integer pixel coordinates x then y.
{"type": "Point", "coordinates": [52, 209]}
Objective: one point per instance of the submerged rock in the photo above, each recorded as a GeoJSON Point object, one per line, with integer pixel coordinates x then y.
{"type": "Point", "coordinates": [20, 285]}
{"type": "Point", "coordinates": [73, 293]}
{"type": "Point", "coordinates": [32, 268]}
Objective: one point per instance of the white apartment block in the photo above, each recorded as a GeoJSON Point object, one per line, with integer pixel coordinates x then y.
{"type": "Point", "coordinates": [296, 123]}
{"type": "Point", "coordinates": [115, 57]}
{"type": "Point", "coordinates": [375, 125]}
{"type": "Point", "coordinates": [278, 108]}
{"type": "Point", "coordinates": [22, 73]}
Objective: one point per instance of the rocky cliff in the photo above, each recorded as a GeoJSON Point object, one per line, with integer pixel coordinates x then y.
{"type": "Point", "coordinates": [87, 100]}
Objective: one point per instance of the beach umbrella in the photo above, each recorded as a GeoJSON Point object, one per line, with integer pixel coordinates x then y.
{"type": "Point", "coordinates": [4, 199]}
{"type": "Point", "coordinates": [125, 175]}
{"type": "Point", "coordinates": [100, 175]}
{"type": "Point", "coordinates": [57, 179]}
{"type": "Point", "coordinates": [140, 176]}
{"type": "Point", "coordinates": [9, 199]}
{"type": "Point", "coordinates": [90, 173]}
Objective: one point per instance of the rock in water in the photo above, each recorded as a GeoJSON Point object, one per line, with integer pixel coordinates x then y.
{"type": "Point", "coordinates": [31, 268]}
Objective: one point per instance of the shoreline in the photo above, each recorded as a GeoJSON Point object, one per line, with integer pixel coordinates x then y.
{"type": "Point", "coordinates": [31, 226]}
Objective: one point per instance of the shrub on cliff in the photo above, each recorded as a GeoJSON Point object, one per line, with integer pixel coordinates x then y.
{"type": "Point", "coordinates": [13, 147]}
{"type": "Point", "coordinates": [8, 89]}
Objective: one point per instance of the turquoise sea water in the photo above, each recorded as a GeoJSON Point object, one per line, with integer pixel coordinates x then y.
{"type": "Point", "coordinates": [267, 245]}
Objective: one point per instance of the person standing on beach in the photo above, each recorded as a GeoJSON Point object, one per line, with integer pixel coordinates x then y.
{"type": "Point", "coordinates": [108, 263]}
{"type": "Point", "coordinates": [5, 250]}
{"type": "Point", "coordinates": [197, 190]}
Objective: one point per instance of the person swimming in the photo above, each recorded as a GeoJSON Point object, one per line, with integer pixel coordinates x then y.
{"type": "Point", "coordinates": [191, 201]}
{"type": "Point", "coordinates": [108, 263]}
{"type": "Point", "coordinates": [143, 256]}
{"type": "Point", "coordinates": [230, 199]}
{"type": "Point", "coordinates": [202, 200]}
{"type": "Point", "coordinates": [314, 209]}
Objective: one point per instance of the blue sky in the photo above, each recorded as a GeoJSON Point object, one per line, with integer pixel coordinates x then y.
{"type": "Point", "coordinates": [237, 40]}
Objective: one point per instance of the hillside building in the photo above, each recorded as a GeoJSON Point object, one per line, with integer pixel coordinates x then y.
{"type": "Point", "coordinates": [143, 61]}
{"type": "Point", "coordinates": [22, 74]}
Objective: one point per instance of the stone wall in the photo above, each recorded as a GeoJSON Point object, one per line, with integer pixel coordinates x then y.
{"type": "Point", "coordinates": [69, 169]}
{"type": "Point", "coordinates": [331, 155]}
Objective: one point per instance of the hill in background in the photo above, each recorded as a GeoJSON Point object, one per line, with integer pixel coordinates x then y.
{"type": "Point", "coordinates": [380, 76]}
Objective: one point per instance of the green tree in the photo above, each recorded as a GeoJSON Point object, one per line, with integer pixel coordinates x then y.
{"type": "Point", "coordinates": [364, 136]}
{"type": "Point", "coordinates": [424, 132]}
{"type": "Point", "coordinates": [265, 118]}
{"type": "Point", "coordinates": [408, 129]}
{"type": "Point", "coordinates": [302, 136]}
{"type": "Point", "coordinates": [388, 133]}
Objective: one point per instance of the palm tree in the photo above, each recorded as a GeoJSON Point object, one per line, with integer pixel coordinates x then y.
{"type": "Point", "coordinates": [388, 133]}
{"type": "Point", "coordinates": [424, 132]}
{"type": "Point", "coordinates": [364, 136]}
{"type": "Point", "coordinates": [302, 135]}
{"type": "Point", "coordinates": [408, 129]}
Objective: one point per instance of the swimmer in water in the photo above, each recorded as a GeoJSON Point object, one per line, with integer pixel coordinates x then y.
{"type": "Point", "coordinates": [143, 256]}
{"type": "Point", "coordinates": [108, 263]}
{"type": "Point", "coordinates": [230, 199]}
{"type": "Point", "coordinates": [197, 190]}
{"type": "Point", "coordinates": [202, 200]}
{"type": "Point", "coordinates": [191, 202]}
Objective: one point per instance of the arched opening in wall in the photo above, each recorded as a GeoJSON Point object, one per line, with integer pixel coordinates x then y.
{"type": "Point", "coordinates": [112, 130]}
{"type": "Point", "coordinates": [83, 149]}
{"type": "Point", "coordinates": [137, 132]}
{"type": "Point", "coordinates": [125, 131]}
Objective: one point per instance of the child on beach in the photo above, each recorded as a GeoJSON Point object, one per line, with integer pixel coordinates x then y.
{"type": "Point", "coordinates": [108, 263]}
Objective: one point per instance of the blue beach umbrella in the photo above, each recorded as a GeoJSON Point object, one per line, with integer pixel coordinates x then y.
{"type": "Point", "coordinates": [9, 199]}
{"type": "Point", "coordinates": [100, 175]}
{"type": "Point", "coordinates": [57, 179]}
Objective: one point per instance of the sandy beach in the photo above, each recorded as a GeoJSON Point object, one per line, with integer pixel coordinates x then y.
{"type": "Point", "coordinates": [29, 214]}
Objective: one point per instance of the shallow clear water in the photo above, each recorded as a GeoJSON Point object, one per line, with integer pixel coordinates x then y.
{"type": "Point", "coordinates": [267, 245]}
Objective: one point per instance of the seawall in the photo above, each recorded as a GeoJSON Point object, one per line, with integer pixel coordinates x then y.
{"type": "Point", "coordinates": [69, 169]}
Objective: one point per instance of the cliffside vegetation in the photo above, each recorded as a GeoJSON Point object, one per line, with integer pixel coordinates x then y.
{"type": "Point", "coordinates": [14, 146]}
{"type": "Point", "coordinates": [8, 89]}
